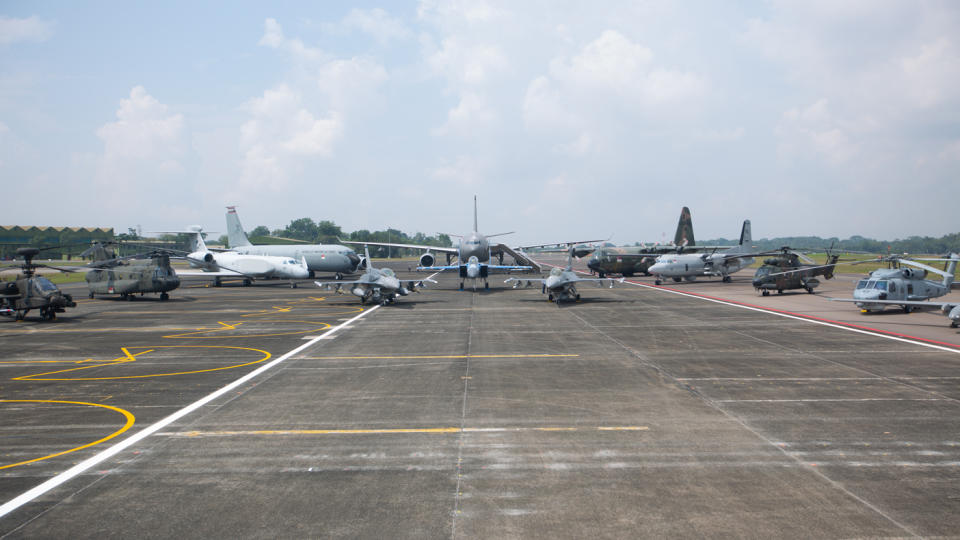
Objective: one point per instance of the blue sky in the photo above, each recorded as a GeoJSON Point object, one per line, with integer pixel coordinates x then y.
{"type": "Point", "coordinates": [568, 120]}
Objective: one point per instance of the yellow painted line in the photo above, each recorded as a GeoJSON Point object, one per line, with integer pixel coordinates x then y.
{"type": "Point", "coordinates": [124, 360]}
{"type": "Point", "coordinates": [129, 423]}
{"type": "Point", "coordinates": [382, 431]}
{"type": "Point", "coordinates": [201, 334]}
{"type": "Point", "coordinates": [436, 356]}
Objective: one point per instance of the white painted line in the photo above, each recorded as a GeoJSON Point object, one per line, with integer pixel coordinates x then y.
{"type": "Point", "coordinates": [813, 321]}
{"type": "Point", "coordinates": [90, 462]}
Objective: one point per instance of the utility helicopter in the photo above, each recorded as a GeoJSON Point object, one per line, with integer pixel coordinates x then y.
{"type": "Point", "coordinates": [904, 287]}
{"type": "Point", "coordinates": [785, 272]}
{"type": "Point", "coordinates": [30, 291]}
{"type": "Point", "coordinates": [128, 276]}
{"type": "Point", "coordinates": [562, 282]}
{"type": "Point", "coordinates": [376, 285]}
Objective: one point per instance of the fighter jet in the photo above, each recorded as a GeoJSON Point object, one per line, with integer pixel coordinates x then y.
{"type": "Point", "coordinates": [692, 266]}
{"type": "Point", "coordinates": [562, 282]}
{"type": "Point", "coordinates": [377, 285]}
{"type": "Point", "coordinates": [473, 254]}
{"type": "Point", "coordinates": [319, 257]}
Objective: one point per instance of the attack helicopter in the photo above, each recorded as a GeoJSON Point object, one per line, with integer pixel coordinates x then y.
{"type": "Point", "coordinates": [30, 291]}
{"type": "Point", "coordinates": [786, 272]}
{"type": "Point", "coordinates": [905, 287]}
{"type": "Point", "coordinates": [128, 276]}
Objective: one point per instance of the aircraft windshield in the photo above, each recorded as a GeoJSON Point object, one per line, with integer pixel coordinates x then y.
{"type": "Point", "coordinates": [44, 285]}
{"type": "Point", "coordinates": [556, 271]}
{"type": "Point", "coordinates": [862, 284]}
{"type": "Point", "coordinates": [160, 272]}
{"type": "Point", "coordinates": [882, 285]}
{"type": "Point", "coordinates": [387, 272]}
{"type": "Point", "coordinates": [763, 270]}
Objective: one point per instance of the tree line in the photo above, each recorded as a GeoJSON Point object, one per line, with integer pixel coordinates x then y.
{"type": "Point", "coordinates": [949, 243]}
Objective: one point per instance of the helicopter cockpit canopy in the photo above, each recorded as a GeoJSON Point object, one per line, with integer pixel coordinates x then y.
{"type": "Point", "coordinates": [44, 285]}
{"type": "Point", "coordinates": [880, 284]}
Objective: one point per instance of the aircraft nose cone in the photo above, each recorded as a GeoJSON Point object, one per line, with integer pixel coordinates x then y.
{"type": "Point", "coordinates": [593, 263]}
{"type": "Point", "coordinates": [473, 270]}
{"type": "Point", "coordinates": [391, 283]}
{"type": "Point", "coordinates": [552, 281]}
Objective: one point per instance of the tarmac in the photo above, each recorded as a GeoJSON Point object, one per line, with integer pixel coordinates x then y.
{"type": "Point", "coordinates": [691, 410]}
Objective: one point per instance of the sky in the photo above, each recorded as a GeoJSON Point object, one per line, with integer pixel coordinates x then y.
{"type": "Point", "coordinates": [568, 120]}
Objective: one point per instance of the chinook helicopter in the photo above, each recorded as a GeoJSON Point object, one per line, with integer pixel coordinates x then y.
{"type": "Point", "coordinates": [128, 276]}
{"type": "Point", "coordinates": [786, 272]}
{"type": "Point", "coordinates": [30, 291]}
{"type": "Point", "coordinates": [903, 287]}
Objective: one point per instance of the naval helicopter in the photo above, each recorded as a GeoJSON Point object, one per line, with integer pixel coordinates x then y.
{"type": "Point", "coordinates": [786, 272]}
{"type": "Point", "coordinates": [904, 287]}
{"type": "Point", "coordinates": [129, 276]}
{"type": "Point", "coordinates": [30, 291]}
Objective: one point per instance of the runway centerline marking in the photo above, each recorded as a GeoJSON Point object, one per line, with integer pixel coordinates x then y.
{"type": "Point", "coordinates": [107, 453]}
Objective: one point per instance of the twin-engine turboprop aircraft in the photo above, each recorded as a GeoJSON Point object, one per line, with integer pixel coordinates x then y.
{"type": "Point", "coordinates": [722, 264]}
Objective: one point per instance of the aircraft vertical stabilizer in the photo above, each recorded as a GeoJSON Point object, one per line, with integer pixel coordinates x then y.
{"type": "Point", "coordinates": [745, 236]}
{"type": "Point", "coordinates": [684, 236]}
{"type": "Point", "coordinates": [475, 228]}
{"type": "Point", "coordinates": [235, 233]}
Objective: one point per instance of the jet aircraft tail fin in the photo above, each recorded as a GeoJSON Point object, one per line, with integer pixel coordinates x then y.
{"type": "Point", "coordinates": [196, 238]}
{"type": "Point", "coordinates": [684, 236]}
{"type": "Point", "coordinates": [235, 233]}
{"type": "Point", "coordinates": [475, 228]}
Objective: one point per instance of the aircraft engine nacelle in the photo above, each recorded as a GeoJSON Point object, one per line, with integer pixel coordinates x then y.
{"type": "Point", "coordinates": [363, 264]}
{"type": "Point", "coordinates": [358, 291]}
{"type": "Point", "coordinates": [403, 291]}
{"type": "Point", "coordinates": [208, 258]}
{"type": "Point", "coordinates": [914, 273]}
{"type": "Point", "coordinates": [427, 259]}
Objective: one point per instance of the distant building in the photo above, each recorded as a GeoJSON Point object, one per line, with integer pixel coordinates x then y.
{"type": "Point", "coordinates": [73, 239]}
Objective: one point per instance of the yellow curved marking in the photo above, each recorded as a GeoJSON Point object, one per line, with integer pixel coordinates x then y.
{"type": "Point", "coordinates": [131, 358]}
{"type": "Point", "coordinates": [130, 420]}
{"type": "Point", "coordinates": [226, 326]}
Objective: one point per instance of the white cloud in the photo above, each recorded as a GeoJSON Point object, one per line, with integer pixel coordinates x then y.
{"type": "Point", "coordinates": [473, 113]}
{"type": "Point", "coordinates": [146, 143]}
{"type": "Point", "coordinates": [351, 82]}
{"type": "Point", "coordinates": [29, 29]}
{"type": "Point", "coordinates": [377, 23]}
{"type": "Point", "coordinates": [274, 38]}
{"type": "Point", "coordinates": [464, 170]}
{"type": "Point", "coordinates": [279, 134]}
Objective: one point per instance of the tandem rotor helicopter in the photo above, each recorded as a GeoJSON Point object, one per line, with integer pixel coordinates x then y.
{"type": "Point", "coordinates": [128, 276]}
{"type": "Point", "coordinates": [30, 291]}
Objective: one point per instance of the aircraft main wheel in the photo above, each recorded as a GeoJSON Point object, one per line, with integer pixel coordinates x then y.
{"type": "Point", "coordinates": [339, 276]}
{"type": "Point", "coordinates": [486, 285]}
{"type": "Point", "coordinates": [727, 279]}
{"type": "Point", "coordinates": [461, 285]}
{"type": "Point", "coordinates": [293, 285]}
{"type": "Point", "coordinates": [656, 282]}
{"type": "Point", "coordinates": [765, 292]}
{"type": "Point", "coordinates": [216, 282]}
{"type": "Point", "coordinates": [677, 279]}
{"type": "Point", "coordinates": [954, 324]}
{"type": "Point", "coordinates": [578, 298]}
{"type": "Point", "coordinates": [779, 291]}
{"type": "Point", "coordinates": [90, 295]}
{"type": "Point", "coordinates": [626, 274]}
{"type": "Point", "coordinates": [550, 297]}
{"type": "Point", "coordinates": [810, 290]}
{"type": "Point", "coordinates": [247, 282]}
{"type": "Point", "coordinates": [164, 296]}
{"type": "Point", "coordinates": [601, 275]}
{"type": "Point", "coordinates": [907, 309]}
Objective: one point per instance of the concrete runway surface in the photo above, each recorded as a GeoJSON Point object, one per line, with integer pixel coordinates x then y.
{"type": "Point", "coordinates": [267, 411]}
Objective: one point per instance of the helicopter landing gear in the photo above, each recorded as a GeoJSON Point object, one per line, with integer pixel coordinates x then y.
{"type": "Point", "coordinates": [20, 315]}
{"type": "Point", "coordinates": [907, 309]}
{"type": "Point", "coordinates": [810, 290]}
{"type": "Point", "coordinates": [216, 282]}
{"type": "Point", "coordinates": [164, 296]}
{"type": "Point", "coordinates": [727, 279]}
{"type": "Point", "coordinates": [955, 324]}
{"type": "Point", "coordinates": [293, 284]}
{"type": "Point", "coordinates": [90, 296]}
{"type": "Point", "coordinates": [47, 314]}
{"type": "Point", "coordinates": [247, 282]}
{"type": "Point", "coordinates": [657, 282]}
{"type": "Point", "coordinates": [779, 291]}
{"type": "Point", "coordinates": [127, 297]}
{"type": "Point", "coordinates": [550, 297]}
{"type": "Point", "coordinates": [339, 276]}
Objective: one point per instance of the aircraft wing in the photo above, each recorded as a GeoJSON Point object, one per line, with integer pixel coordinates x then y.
{"type": "Point", "coordinates": [567, 244]}
{"type": "Point", "coordinates": [519, 257]}
{"type": "Point", "coordinates": [329, 283]}
{"type": "Point", "coordinates": [438, 249]}
{"type": "Point", "coordinates": [898, 302]}
{"type": "Point", "coordinates": [201, 273]}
